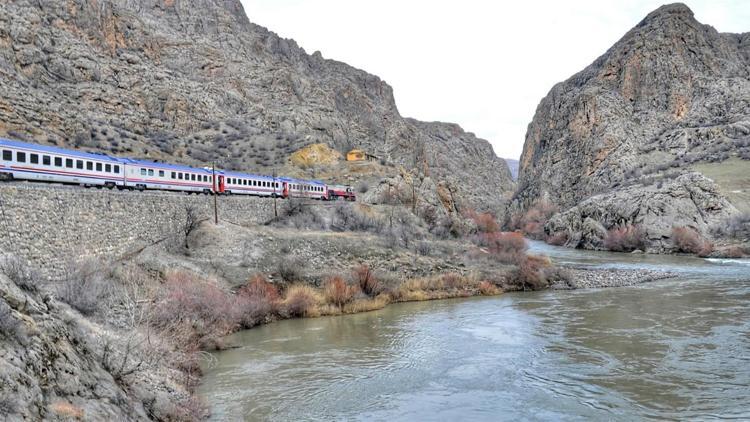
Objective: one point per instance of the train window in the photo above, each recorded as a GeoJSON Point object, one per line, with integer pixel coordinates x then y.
{"type": "Point", "coordinates": [46, 160]}
{"type": "Point", "coordinates": [7, 155]}
{"type": "Point", "coordinates": [117, 169]}
{"type": "Point", "coordinates": [192, 177]}
{"type": "Point", "coordinates": [79, 164]}
{"type": "Point", "coordinates": [68, 163]}
{"type": "Point", "coordinates": [244, 182]}
{"type": "Point", "coordinates": [89, 165]}
{"type": "Point", "coordinates": [108, 168]}
{"type": "Point", "coordinates": [211, 179]}
{"type": "Point", "coordinates": [20, 157]}
{"type": "Point", "coordinates": [143, 172]}
{"type": "Point", "coordinates": [34, 158]}
{"type": "Point", "coordinates": [179, 176]}
{"type": "Point", "coordinates": [58, 161]}
{"type": "Point", "coordinates": [161, 173]}
{"type": "Point", "coordinates": [150, 172]}
{"type": "Point", "coordinates": [173, 175]}
{"type": "Point", "coordinates": [98, 166]}
{"type": "Point", "coordinates": [205, 178]}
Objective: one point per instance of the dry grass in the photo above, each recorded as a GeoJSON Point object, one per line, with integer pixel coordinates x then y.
{"type": "Point", "coordinates": [368, 304]}
{"type": "Point", "coordinates": [302, 300]}
{"type": "Point", "coordinates": [505, 247]}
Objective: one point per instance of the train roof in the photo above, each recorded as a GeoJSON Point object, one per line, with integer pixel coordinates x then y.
{"type": "Point", "coordinates": [58, 150]}
{"type": "Point", "coordinates": [293, 180]}
{"type": "Point", "coordinates": [248, 175]}
{"type": "Point", "coordinates": [165, 166]}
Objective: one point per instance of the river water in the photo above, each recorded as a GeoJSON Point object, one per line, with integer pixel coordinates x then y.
{"type": "Point", "coordinates": [671, 349]}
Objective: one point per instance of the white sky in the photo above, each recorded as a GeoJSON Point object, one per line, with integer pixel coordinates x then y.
{"type": "Point", "coordinates": [482, 64]}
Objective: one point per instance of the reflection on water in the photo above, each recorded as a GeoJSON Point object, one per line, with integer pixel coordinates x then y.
{"type": "Point", "coordinates": [674, 349]}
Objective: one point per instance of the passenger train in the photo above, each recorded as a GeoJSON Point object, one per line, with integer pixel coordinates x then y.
{"type": "Point", "coordinates": [25, 161]}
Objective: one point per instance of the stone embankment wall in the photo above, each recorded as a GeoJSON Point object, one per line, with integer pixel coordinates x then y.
{"type": "Point", "coordinates": [50, 226]}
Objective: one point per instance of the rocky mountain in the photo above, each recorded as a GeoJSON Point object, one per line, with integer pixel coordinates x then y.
{"type": "Point", "coordinates": [669, 98]}
{"type": "Point", "coordinates": [194, 81]}
{"type": "Point", "coordinates": [513, 166]}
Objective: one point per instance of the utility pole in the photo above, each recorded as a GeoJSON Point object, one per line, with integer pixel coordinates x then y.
{"type": "Point", "coordinates": [275, 210]}
{"type": "Point", "coordinates": [216, 193]}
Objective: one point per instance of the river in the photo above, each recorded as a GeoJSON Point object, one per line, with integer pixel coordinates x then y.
{"type": "Point", "coordinates": [673, 349]}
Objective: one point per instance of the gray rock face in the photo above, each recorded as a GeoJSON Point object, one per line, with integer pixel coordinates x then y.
{"type": "Point", "coordinates": [691, 200]}
{"type": "Point", "coordinates": [670, 93]}
{"type": "Point", "coordinates": [194, 81]}
{"type": "Point", "coordinates": [513, 166]}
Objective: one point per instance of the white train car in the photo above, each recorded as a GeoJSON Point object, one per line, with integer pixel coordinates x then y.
{"type": "Point", "coordinates": [312, 189]}
{"type": "Point", "coordinates": [24, 161]}
{"type": "Point", "coordinates": [251, 184]}
{"type": "Point", "coordinates": [141, 174]}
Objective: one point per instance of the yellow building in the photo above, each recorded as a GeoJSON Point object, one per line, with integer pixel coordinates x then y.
{"type": "Point", "coordinates": [356, 155]}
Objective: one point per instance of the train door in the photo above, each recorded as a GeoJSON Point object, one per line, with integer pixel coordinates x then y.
{"type": "Point", "coordinates": [221, 185]}
{"type": "Point", "coordinates": [285, 190]}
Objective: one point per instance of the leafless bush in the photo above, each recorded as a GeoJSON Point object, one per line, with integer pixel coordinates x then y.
{"type": "Point", "coordinates": [366, 280]}
{"type": "Point", "coordinates": [347, 217]}
{"type": "Point", "coordinates": [290, 269]}
{"type": "Point", "coordinates": [532, 221]}
{"type": "Point", "coordinates": [736, 227]}
{"type": "Point", "coordinates": [337, 292]}
{"type": "Point", "coordinates": [506, 247]}
{"type": "Point", "coordinates": [10, 327]}
{"type": "Point", "coordinates": [257, 301]}
{"type": "Point", "coordinates": [557, 239]}
{"type": "Point", "coordinates": [130, 355]}
{"type": "Point", "coordinates": [85, 286]}
{"type": "Point", "coordinates": [687, 239]}
{"type": "Point", "coordinates": [625, 239]}
{"type": "Point", "coordinates": [363, 186]}
{"type": "Point", "coordinates": [531, 273]}
{"type": "Point", "coordinates": [424, 248]}
{"type": "Point", "coordinates": [194, 313]}
{"type": "Point", "coordinates": [20, 273]}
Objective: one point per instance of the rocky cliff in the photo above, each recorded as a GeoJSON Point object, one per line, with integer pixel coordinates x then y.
{"type": "Point", "coordinates": [671, 95]}
{"type": "Point", "coordinates": [194, 81]}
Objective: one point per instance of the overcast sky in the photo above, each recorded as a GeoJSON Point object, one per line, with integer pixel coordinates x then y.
{"type": "Point", "coordinates": [480, 63]}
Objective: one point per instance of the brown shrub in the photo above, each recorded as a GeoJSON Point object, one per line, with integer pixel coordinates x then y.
{"type": "Point", "coordinates": [488, 289]}
{"type": "Point", "coordinates": [485, 222]}
{"type": "Point", "coordinates": [733, 252]}
{"type": "Point", "coordinates": [506, 247]}
{"type": "Point", "coordinates": [368, 304]}
{"type": "Point", "coordinates": [256, 301]}
{"type": "Point", "coordinates": [688, 240]}
{"type": "Point", "coordinates": [366, 280]}
{"type": "Point", "coordinates": [532, 221]}
{"type": "Point", "coordinates": [301, 300]}
{"type": "Point", "coordinates": [337, 292]}
{"type": "Point", "coordinates": [194, 313]}
{"type": "Point", "coordinates": [625, 239]}
{"type": "Point", "coordinates": [531, 273]}
{"type": "Point", "coordinates": [557, 239]}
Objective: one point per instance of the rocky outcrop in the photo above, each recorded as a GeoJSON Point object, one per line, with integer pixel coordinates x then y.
{"type": "Point", "coordinates": [194, 81]}
{"type": "Point", "coordinates": [670, 94]}
{"type": "Point", "coordinates": [53, 366]}
{"type": "Point", "coordinates": [691, 200]}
